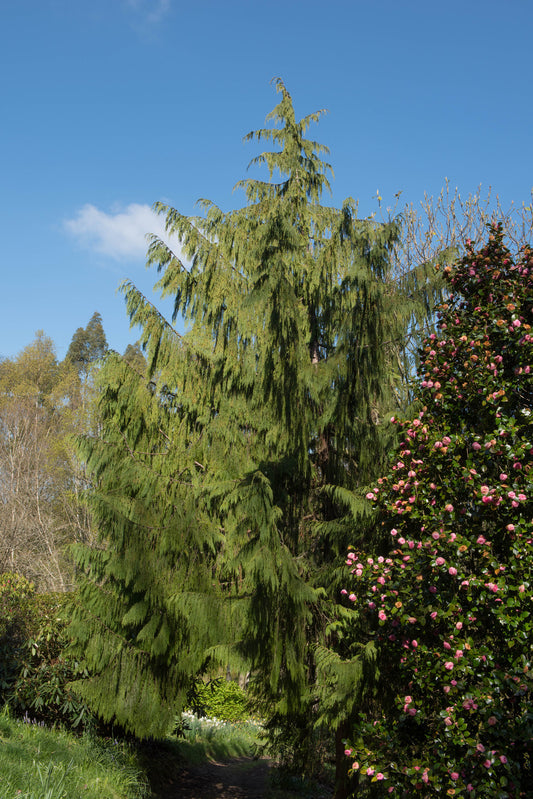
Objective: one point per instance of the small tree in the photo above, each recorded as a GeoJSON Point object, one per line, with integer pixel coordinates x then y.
{"type": "Point", "coordinates": [446, 605]}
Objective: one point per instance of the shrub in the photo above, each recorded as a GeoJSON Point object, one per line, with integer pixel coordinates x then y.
{"type": "Point", "coordinates": [221, 699]}
{"type": "Point", "coordinates": [35, 672]}
{"type": "Point", "coordinates": [447, 600]}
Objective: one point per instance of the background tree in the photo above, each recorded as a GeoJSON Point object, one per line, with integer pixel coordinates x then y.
{"type": "Point", "coordinates": [243, 458]}
{"type": "Point", "coordinates": [38, 512]}
{"type": "Point", "coordinates": [446, 605]}
{"type": "Point", "coordinates": [88, 345]}
{"type": "Point", "coordinates": [134, 356]}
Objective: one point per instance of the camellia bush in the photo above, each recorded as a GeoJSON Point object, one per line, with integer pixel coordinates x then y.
{"type": "Point", "coordinates": [447, 600]}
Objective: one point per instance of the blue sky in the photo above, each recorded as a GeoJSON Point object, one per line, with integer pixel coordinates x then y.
{"type": "Point", "coordinates": [110, 105]}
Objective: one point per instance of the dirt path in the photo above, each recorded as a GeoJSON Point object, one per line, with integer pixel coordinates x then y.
{"type": "Point", "coordinates": [240, 778]}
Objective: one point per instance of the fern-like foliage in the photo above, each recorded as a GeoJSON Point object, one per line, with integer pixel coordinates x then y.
{"type": "Point", "coordinates": [228, 481]}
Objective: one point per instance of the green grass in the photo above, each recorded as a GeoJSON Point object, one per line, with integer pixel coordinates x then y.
{"type": "Point", "coordinates": [210, 739]}
{"type": "Point", "coordinates": [40, 763]}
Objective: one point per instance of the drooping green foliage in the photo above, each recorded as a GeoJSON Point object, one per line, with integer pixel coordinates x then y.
{"type": "Point", "coordinates": [447, 603]}
{"type": "Point", "coordinates": [231, 472]}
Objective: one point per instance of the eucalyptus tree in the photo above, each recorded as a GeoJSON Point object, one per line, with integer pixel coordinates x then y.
{"type": "Point", "coordinates": [228, 479]}
{"type": "Point", "coordinates": [88, 345]}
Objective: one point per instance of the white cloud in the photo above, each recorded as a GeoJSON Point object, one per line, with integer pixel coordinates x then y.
{"type": "Point", "coordinates": [120, 234]}
{"type": "Point", "coordinates": [151, 11]}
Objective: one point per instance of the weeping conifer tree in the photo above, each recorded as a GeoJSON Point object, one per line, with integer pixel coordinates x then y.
{"type": "Point", "coordinates": [232, 469]}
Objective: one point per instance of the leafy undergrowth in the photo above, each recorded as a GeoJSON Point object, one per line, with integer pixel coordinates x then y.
{"type": "Point", "coordinates": [41, 763]}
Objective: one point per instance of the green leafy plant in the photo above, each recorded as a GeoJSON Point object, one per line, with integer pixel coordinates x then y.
{"type": "Point", "coordinates": [35, 670]}
{"type": "Point", "coordinates": [16, 593]}
{"type": "Point", "coordinates": [222, 699]}
{"type": "Point", "coordinates": [447, 600]}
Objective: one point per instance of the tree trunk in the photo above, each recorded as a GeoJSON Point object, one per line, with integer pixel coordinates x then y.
{"type": "Point", "coordinates": [343, 786]}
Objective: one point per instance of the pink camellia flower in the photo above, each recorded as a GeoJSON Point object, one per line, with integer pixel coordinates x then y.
{"type": "Point", "coordinates": [370, 771]}
{"type": "Point", "coordinates": [446, 689]}
{"type": "Point", "coordinates": [448, 721]}
{"type": "Point", "coordinates": [355, 765]}
{"type": "Point", "coordinates": [459, 625]}
{"type": "Point", "coordinates": [425, 777]}
{"type": "Point", "coordinates": [522, 588]}
{"type": "Point", "coordinates": [503, 759]}
{"type": "Point", "coordinates": [503, 477]}
{"type": "Point", "coordinates": [481, 540]}
{"type": "Point", "coordinates": [344, 592]}
{"type": "Point", "coordinates": [448, 507]}
{"type": "Point", "coordinates": [487, 763]}
{"type": "Point", "coordinates": [458, 653]}
{"type": "Point", "coordinates": [448, 665]}
{"type": "Point", "coordinates": [433, 614]}
{"type": "Point", "coordinates": [452, 570]}
{"type": "Point", "coordinates": [412, 711]}
{"type": "Point", "coordinates": [401, 541]}
{"type": "Point", "coordinates": [440, 561]}
{"type": "Point", "coordinates": [408, 700]}
{"type": "Point", "coordinates": [379, 776]}
{"type": "Point", "coordinates": [510, 528]}
{"type": "Point", "coordinates": [382, 615]}
{"type": "Point", "coordinates": [446, 645]}
{"type": "Point", "coordinates": [454, 775]}
{"type": "Point", "coordinates": [414, 644]}
{"type": "Point", "coordinates": [480, 747]}
{"type": "Point", "coordinates": [435, 535]}
{"type": "Point", "coordinates": [370, 495]}
{"type": "Point", "coordinates": [476, 445]}
{"type": "Point", "coordinates": [469, 787]}
{"type": "Point", "coordinates": [347, 752]}
{"type": "Point", "coordinates": [432, 589]}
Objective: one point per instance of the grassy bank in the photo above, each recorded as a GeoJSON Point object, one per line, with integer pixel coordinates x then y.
{"type": "Point", "coordinates": [40, 763]}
